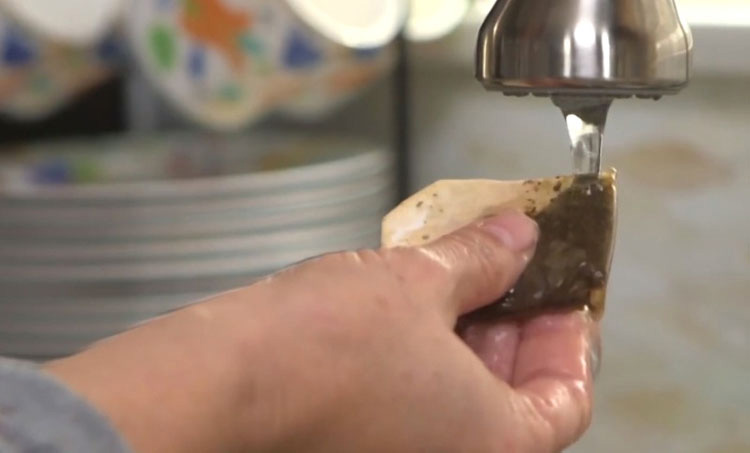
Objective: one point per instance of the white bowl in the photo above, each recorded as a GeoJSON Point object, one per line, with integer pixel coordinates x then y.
{"type": "Point", "coordinates": [74, 22]}
{"type": "Point", "coordinates": [432, 19]}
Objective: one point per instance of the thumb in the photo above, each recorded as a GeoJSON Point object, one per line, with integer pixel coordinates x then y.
{"type": "Point", "coordinates": [477, 264]}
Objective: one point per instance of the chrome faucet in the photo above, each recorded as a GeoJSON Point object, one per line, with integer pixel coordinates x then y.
{"type": "Point", "coordinates": [596, 48]}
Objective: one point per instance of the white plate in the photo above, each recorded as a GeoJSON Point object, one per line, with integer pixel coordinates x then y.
{"type": "Point", "coordinates": [251, 244]}
{"type": "Point", "coordinates": [357, 236]}
{"type": "Point", "coordinates": [183, 166]}
{"type": "Point", "coordinates": [23, 215]}
{"type": "Point", "coordinates": [204, 225]}
{"type": "Point", "coordinates": [80, 211]}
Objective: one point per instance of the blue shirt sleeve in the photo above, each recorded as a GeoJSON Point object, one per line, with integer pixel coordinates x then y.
{"type": "Point", "coordinates": [38, 414]}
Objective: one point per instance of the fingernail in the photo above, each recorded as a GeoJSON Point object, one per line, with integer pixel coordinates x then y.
{"type": "Point", "coordinates": [514, 230]}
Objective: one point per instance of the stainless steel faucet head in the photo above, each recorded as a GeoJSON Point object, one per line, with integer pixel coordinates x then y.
{"type": "Point", "coordinates": [613, 48]}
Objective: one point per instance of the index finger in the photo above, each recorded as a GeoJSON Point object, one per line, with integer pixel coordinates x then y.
{"type": "Point", "coordinates": [553, 378]}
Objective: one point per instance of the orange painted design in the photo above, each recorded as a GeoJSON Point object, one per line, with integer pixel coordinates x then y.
{"type": "Point", "coordinates": [212, 23]}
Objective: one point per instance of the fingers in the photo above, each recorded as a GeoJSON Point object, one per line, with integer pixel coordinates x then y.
{"type": "Point", "coordinates": [553, 378]}
{"type": "Point", "coordinates": [479, 263]}
{"type": "Point", "coordinates": [495, 345]}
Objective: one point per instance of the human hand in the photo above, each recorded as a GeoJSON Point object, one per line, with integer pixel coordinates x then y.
{"type": "Point", "coordinates": [354, 352]}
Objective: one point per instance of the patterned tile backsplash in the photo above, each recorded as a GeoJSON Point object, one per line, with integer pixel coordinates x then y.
{"type": "Point", "coordinates": [676, 373]}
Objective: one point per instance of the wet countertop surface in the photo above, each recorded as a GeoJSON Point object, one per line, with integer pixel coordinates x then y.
{"type": "Point", "coordinates": [676, 369]}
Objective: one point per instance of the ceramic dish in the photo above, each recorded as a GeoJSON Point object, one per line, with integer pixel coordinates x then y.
{"type": "Point", "coordinates": [203, 224]}
{"type": "Point", "coordinates": [188, 166]}
{"type": "Point", "coordinates": [430, 20]}
{"type": "Point", "coordinates": [139, 215]}
{"type": "Point", "coordinates": [227, 63]}
{"type": "Point", "coordinates": [155, 252]}
{"type": "Point", "coordinates": [38, 75]}
{"type": "Point", "coordinates": [352, 235]}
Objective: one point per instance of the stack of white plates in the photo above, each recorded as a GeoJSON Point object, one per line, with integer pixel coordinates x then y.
{"type": "Point", "coordinates": [97, 236]}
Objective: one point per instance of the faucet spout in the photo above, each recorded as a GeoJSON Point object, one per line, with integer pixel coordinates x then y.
{"type": "Point", "coordinates": [611, 48]}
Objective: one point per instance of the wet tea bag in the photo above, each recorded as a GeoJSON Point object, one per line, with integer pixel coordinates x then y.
{"type": "Point", "coordinates": [576, 217]}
